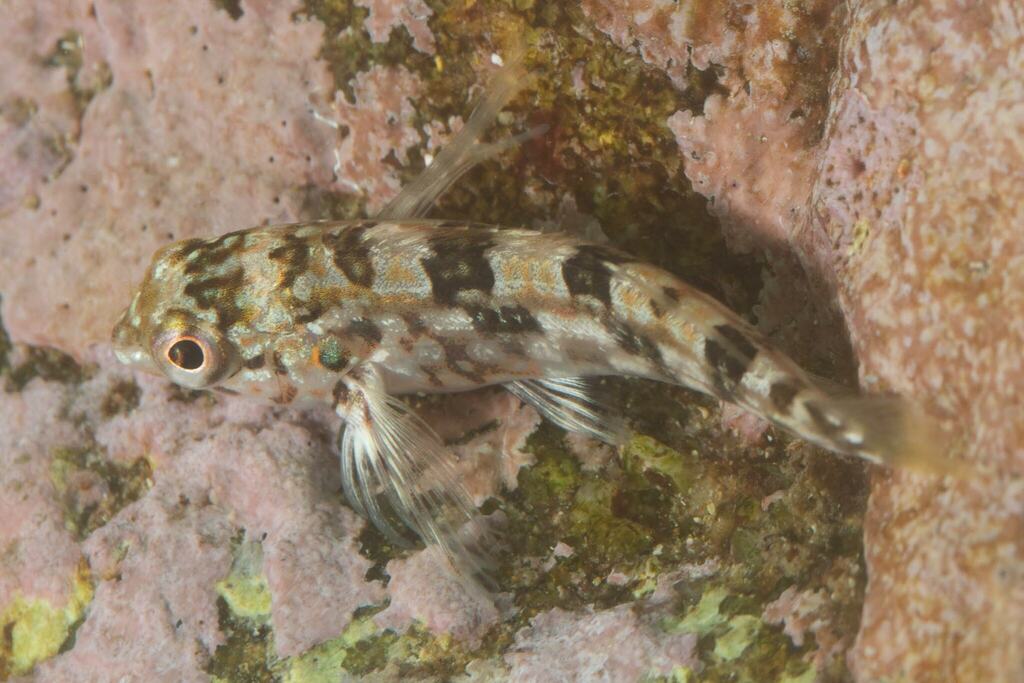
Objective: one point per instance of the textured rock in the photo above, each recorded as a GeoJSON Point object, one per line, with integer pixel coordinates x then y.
{"type": "Point", "coordinates": [921, 197]}
{"type": "Point", "coordinates": [386, 16]}
{"type": "Point", "coordinates": [597, 646]}
{"type": "Point", "coordinates": [752, 146]}
{"type": "Point", "coordinates": [870, 195]}
{"type": "Point", "coordinates": [43, 568]}
{"type": "Point", "coordinates": [197, 123]}
{"type": "Point", "coordinates": [423, 589]}
{"type": "Point", "coordinates": [907, 214]}
{"type": "Point", "coordinates": [217, 470]}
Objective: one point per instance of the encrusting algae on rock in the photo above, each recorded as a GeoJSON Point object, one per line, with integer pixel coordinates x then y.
{"type": "Point", "coordinates": [35, 630]}
{"type": "Point", "coordinates": [715, 558]}
{"type": "Point", "coordinates": [356, 313]}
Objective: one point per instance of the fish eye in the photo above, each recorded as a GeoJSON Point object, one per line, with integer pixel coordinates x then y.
{"type": "Point", "coordinates": [193, 357]}
{"type": "Point", "coordinates": [187, 353]}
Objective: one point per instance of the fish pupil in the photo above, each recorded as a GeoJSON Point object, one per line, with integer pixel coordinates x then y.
{"type": "Point", "coordinates": [186, 354]}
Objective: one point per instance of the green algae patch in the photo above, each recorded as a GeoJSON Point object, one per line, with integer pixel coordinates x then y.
{"type": "Point", "coordinates": [243, 613]}
{"type": "Point", "coordinates": [245, 589]}
{"type": "Point", "coordinates": [705, 617]}
{"type": "Point", "coordinates": [34, 630]}
{"type": "Point", "coordinates": [247, 654]}
{"type": "Point", "coordinates": [807, 676]}
{"type": "Point", "coordinates": [46, 363]}
{"type": "Point", "coordinates": [123, 398]}
{"type": "Point", "coordinates": [650, 455]}
{"type": "Point", "coordinates": [325, 662]}
{"type": "Point", "coordinates": [246, 596]}
{"type": "Point", "coordinates": [740, 636]}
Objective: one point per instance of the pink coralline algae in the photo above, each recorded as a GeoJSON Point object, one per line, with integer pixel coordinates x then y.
{"type": "Point", "coordinates": [28, 508]}
{"type": "Point", "coordinates": [197, 123]}
{"type": "Point", "coordinates": [220, 469]}
{"type": "Point", "coordinates": [422, 587]}
{"type": "Point", "coordinates": [382, 98]}
{"type": "Point", "coordinates": [908, 212]}
{"type": "Point", "coordinates": [157, 561]}
{"type": "Point", "coordinates": [752, 149]}
{"type": "Point", "coordinates": [424, 590]}
{"type": "Point", "coordinates": [610, 645]}
{"type": "Point", "coordinates": [921, 196]}
{"type": "Point", "coordinates": [802, 615]}
{"type": "Point", "coordinates": [870, 151]}
{"type": "Point", "coordinates": [747, 148]}
{"type": "Point", "coordinates": [386, 16]}
{"type": "Point", "coordinates": [491, 459]}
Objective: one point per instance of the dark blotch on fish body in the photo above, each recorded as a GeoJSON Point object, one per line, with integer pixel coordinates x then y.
{"type": "Point", "coordinates": [729, 369]}
{"type": "Point", "coordinates": [459, 263]}
{"type": "Point", "coordinates": [782, 394]}
{"type": "Point", "coordinates": [740, 342]}
{"type": "Point", "coordinates": [503, 320]}
{"type": "Point", "coordinates": [293, 256]}
{"type": "Point", "coordinates": [351, 253]}
{"type": "Point", "coordinates": [365, 329]}
{"type": "Point", "coordinates": [219, 293]}
{"type": "Point", "coordinates": [587, 272]}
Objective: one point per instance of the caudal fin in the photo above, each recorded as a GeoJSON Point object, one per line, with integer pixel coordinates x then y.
{"type": "Point", "coordinates": [886, 430]}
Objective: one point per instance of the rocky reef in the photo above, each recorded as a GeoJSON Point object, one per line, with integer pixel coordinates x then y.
{"type": "Point", "coordinates": [847, 175]}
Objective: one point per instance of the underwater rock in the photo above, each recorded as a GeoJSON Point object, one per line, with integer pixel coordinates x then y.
{"type": "Point", "coordinates": [921, 194]}
{"type": "Point", "coordinates": [387, 15]}
{"type": "Point", "coordinates": [197, 122]}
{"type": "Point", "coordinates": [609, 645]}
{"type": "Point", "coordinates": [127, 503]}
{"type": "Point", "coordinates": [897, 192]}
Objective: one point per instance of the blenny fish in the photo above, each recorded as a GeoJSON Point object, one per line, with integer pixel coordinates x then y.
{"type": "Point", "coordinates": [356, 313]}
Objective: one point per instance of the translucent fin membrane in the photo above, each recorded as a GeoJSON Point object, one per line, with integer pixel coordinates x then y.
{"type": "Point", "coordinates": [572, 404]}
{"type": "Point", "coordinates": [890, 431]}
{"type": "Point", "coordinates": [464, 150]}
{"type": "Point", "coordinates": [387, 449]}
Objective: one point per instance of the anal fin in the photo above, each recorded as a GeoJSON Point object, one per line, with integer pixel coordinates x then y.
{"type": "Point", "coordinates": [572, 404]}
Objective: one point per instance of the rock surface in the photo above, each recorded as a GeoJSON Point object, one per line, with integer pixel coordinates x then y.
{"type": "Point", "coordinates": [920, 194]}
{"type": "Point", "coordinates": [844, 173]}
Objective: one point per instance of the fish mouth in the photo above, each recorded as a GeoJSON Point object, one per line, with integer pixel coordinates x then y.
{"type": "Point", "coordinates": [125, 339]}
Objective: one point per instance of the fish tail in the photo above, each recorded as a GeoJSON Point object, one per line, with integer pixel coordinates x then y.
{"type": "Point", "coordinates": [707, 347]}
{"type": "Point", "coordinates": [887, 430]}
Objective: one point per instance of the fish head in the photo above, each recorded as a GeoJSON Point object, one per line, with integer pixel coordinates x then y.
{"type": "Point", "coordinates": [176, 324]}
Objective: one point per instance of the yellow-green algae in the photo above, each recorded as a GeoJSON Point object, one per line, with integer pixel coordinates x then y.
{"type": "Point", "coordinates": [245, 589]}
{"type": "Point", "coordinates": [704, 616]}
{"type": "Point", "coordinates": [683, 491]}
{"type": "Point", "coordinates": [243, 609]}
{"type": "Point", "coordinates": [34, 630]}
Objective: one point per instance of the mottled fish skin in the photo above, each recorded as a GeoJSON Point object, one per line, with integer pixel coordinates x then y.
{"type": "Point", "coordinates": [443, 306]}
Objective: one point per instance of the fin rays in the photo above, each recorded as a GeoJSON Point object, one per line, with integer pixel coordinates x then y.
{"type": "Point", "coordinates": [387, 450]}
{"type": "Point", "coordinates": [571, 404]}
{"type": "Point", "coordinates": [464, 151]}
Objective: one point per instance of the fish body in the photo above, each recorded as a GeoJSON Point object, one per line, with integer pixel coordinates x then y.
{"type": "Point", "coordinates": [434, 306]}
{"type": "Point", "coordinates": [355, 313]}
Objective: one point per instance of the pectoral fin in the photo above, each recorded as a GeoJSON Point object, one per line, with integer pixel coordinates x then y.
{"type": "Point", "coordinates": [572, 404]}
{"type": "Point", "coordinates": [388, 452]}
